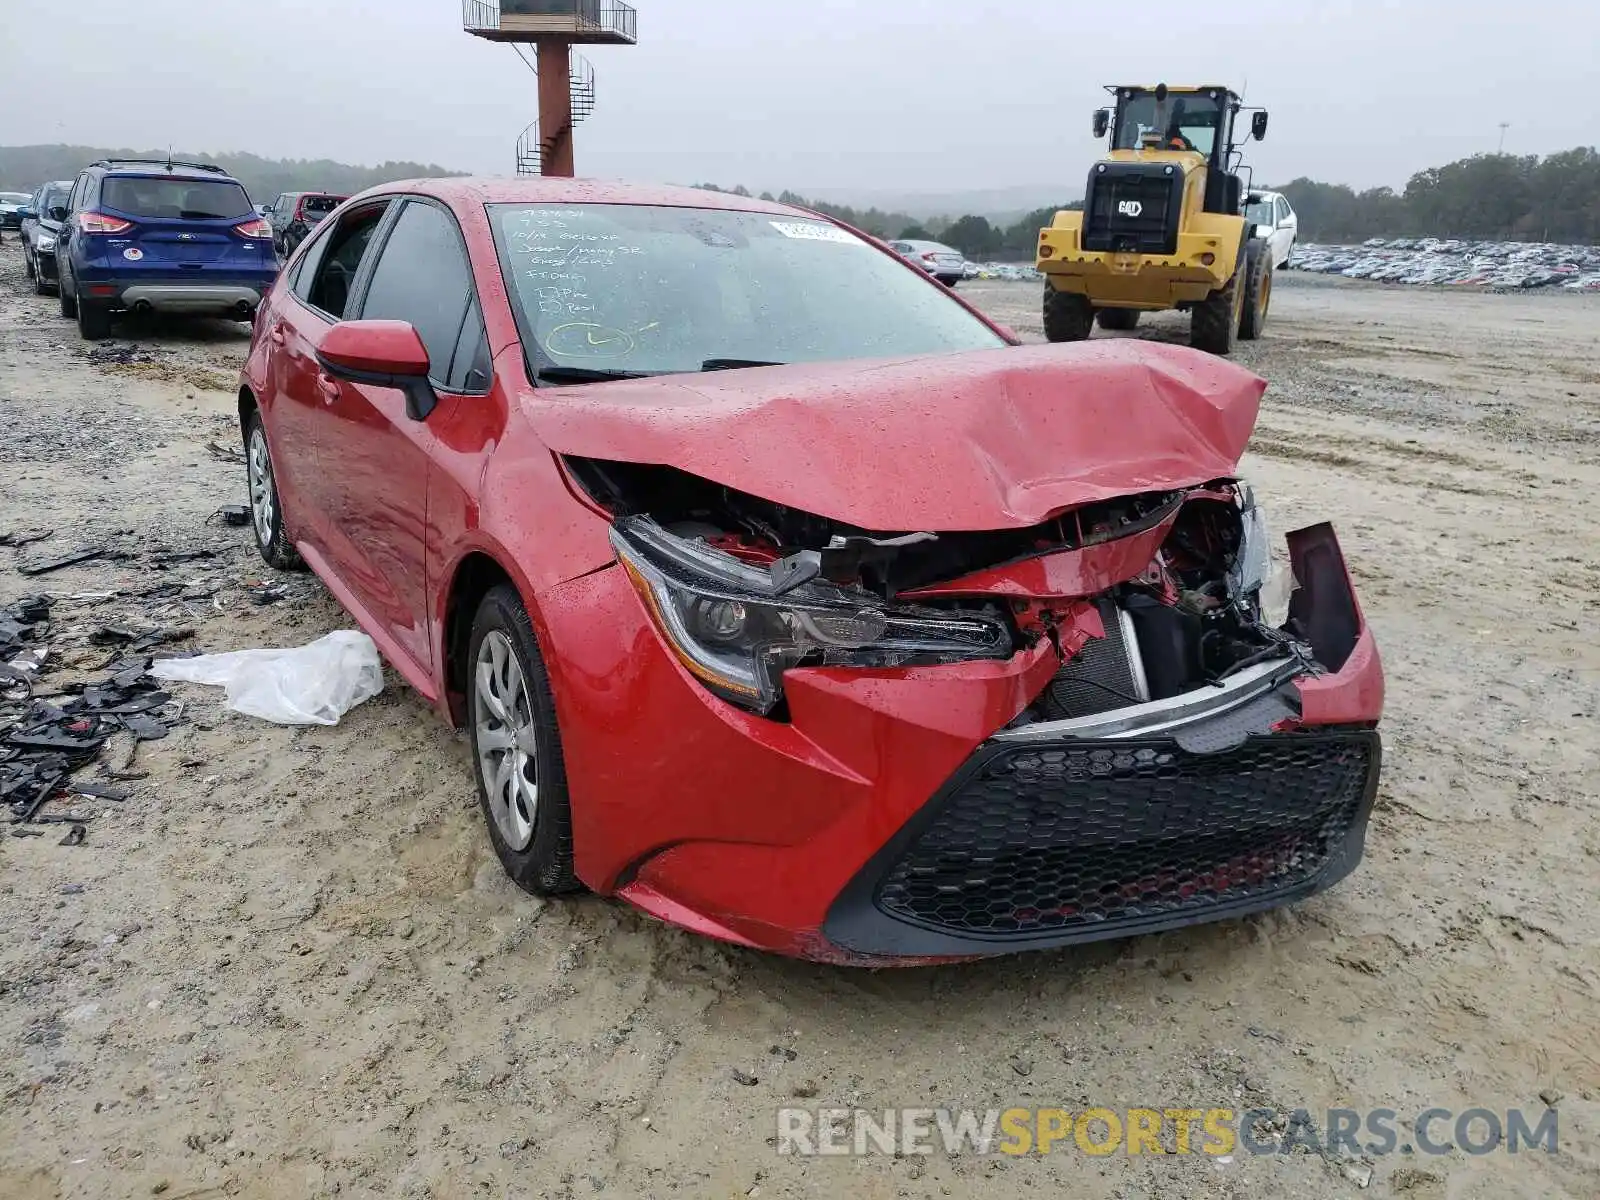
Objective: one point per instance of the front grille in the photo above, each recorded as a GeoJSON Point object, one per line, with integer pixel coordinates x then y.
{"type": "Point", "coordinates": [1134, 208]}
{"type": "Point", "coordinates": [1036, 839]}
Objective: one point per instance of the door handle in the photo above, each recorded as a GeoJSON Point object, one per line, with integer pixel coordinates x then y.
{"type": "Point", "coordinates": [329, 387]}
{"type": "Point", "coordinates": [276, 334]}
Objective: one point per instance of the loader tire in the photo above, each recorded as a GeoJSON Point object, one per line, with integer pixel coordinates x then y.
{"type": "Point", "coordinates": [1118, 318]}
{"type": "Point", "coordinates": [1215, 319]}
{"type": "Point", "coordinates": [1257, 292]}
{"type": "Point", "coordinates": [1068, 317]}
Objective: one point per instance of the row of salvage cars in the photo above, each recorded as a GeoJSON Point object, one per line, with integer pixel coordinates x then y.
{"type": "Point", "coordinates": [1507, 265]}
{"type": "Point", "coordinates": [787, 597]}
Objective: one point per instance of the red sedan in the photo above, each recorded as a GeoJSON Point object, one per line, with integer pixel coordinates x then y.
{"type": "Point", "coordinates": [785, 597]}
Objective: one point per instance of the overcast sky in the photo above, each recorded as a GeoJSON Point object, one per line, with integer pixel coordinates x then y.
{"type": "Point", "coordinates": [899, 95]}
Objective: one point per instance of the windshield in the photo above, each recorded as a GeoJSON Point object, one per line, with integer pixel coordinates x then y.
{"type": "Point", "coordinates": [1185, 121]}
{"type": "Point", "coordinates": [320, 206]}
{"type": "Point", "coordinates": [170, 196]}
{"type": "Point", "coordinates": [632, 288]}
{"type": "Point", "coordinates": [13, 197]}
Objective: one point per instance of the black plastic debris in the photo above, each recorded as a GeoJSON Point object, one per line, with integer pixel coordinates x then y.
{"type": "Point", "coordinates": [42, 743]}
{"type": "Point", "coordinates": [76, 833]}
{"type": "Point", "coordinates": [24, 537]}
{"type": "Point", "coordinates": [138, 640]}
{"type": "Point", "coordinates": [234, 514]}
{"type": "Point", "coordinates": [265, 593]}
{"type": "Point", "coordinates": [66, 560]}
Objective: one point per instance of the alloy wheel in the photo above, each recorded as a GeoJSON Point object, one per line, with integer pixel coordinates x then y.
{"type": "Point", "coordinates": [259, 466]}
{"type": "Point", "coordinates": [504, 735]}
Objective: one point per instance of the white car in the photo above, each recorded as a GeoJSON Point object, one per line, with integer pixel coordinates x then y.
{"type": "Point", "coordinates": [1275, 221]}
{"type": "Point", "coordinates": [944, 264]}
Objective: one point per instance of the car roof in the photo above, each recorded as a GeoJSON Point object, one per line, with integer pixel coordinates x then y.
{"type": "Point", "coordinates": [469, 190]}
{"type": "Point", "coordinates": [118, 167]}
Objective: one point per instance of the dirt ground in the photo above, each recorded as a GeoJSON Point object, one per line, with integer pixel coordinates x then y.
{"type": "Point", "coordinates": [288, 964]}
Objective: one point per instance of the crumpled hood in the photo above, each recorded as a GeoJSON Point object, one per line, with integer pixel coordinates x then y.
{"type": "Point", "coordinates": [989, 439]}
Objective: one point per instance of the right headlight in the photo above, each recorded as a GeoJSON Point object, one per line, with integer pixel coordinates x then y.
{"type": "Point", "coordinates": [720, 618]}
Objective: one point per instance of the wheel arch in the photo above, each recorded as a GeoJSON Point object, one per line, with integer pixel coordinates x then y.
{"type": "Point", "coordinates": [247, 405]}
{"type": "Point", "coordinates": [475, 575]}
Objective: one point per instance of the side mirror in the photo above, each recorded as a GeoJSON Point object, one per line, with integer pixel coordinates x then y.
{"type": "Point", "coordinates": [27, 214]}
{"type": "Point", "coordinates": [1102, 121]}
{"type": "Point", "coordinates": [1258, 126]}
{"type": "Point", "coordinates": [58, 212]}
{"type": "Point", "coordinates": [383, 354]}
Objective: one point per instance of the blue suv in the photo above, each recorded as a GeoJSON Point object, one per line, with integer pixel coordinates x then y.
{"type": "Point", "coordinates": [161, 237]}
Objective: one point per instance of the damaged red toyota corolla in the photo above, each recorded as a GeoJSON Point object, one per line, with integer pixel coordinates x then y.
{"type": "Point", "coordinates": [785, 599]}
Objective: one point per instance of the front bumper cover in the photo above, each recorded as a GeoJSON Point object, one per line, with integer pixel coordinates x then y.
{"type": "Point", "coordinates": [811, 837]}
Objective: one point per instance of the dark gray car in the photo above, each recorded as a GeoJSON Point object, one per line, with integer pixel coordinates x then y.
{"type": "Point", "coordinates": [41, 225]}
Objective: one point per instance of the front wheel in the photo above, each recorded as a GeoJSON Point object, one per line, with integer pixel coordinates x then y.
{"type": "Point", "coordinates": [27, 264]}
{"type": "Point", "coordinates": [1067, 315]}
{"type": "Point", "coordinates": [69, 300]}
{"type": "Point", "coordinates": [1215, 320]}
{"type": "Point", "coordinates": [516, 746]}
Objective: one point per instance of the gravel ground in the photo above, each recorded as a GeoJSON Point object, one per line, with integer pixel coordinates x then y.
{"type": "Point", "coordinates": [288, 965]}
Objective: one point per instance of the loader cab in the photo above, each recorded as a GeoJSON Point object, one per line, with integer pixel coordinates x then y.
{"type": "Point", "coordinates": [1160, 137]}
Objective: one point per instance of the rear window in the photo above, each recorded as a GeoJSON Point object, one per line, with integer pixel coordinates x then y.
{"type": "Point", "coordinates": [322, 205]}
{"type": "Point", "coordinates": [169, 196]}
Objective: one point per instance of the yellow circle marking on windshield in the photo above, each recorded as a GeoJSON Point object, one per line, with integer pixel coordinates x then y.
{"type": "Point", "coordinates": [584, 339]}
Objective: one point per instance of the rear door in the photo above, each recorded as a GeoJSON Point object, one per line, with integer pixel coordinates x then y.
{"type": "Point", "coordinates": [318, 296]}
{"type": "Point", "coordinates": [375, 458]}
{"type": "Point", "coordinates": [180, 227]}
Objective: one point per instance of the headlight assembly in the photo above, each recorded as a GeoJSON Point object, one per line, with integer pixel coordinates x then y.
{"type": "Point", "coordinates": [1252, 565]}
{"type": "Point", "coordinates": [44, 241]}
{"type": "Point", "coordinates": [720, 618]}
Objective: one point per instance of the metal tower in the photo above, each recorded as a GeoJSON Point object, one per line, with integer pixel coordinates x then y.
{"type": "Point", "coordinates": [566, 80]}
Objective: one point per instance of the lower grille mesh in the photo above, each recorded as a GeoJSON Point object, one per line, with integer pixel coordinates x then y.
{"type": "Point", "coordinates": [1069, 834]}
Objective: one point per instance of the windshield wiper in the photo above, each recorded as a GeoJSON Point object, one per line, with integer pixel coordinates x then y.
{"type": "Point", "coordinates": [734, 364]}
{"type": "Point", "coordinates": [584, 375]}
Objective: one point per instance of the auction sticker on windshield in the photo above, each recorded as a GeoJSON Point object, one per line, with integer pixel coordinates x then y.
{"type": "Point", "coordinates": [814, 232]}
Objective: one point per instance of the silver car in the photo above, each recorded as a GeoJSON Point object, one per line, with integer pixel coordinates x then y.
{"type": "Point", "coordinates": [944, 264]}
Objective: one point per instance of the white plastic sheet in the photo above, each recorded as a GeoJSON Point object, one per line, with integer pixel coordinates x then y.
{"type": "Point", "coordinates": [315, 684]}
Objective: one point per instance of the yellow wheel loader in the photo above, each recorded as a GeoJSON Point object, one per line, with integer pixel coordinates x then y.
{"type": "Point", "coordinates": [1163, 223]}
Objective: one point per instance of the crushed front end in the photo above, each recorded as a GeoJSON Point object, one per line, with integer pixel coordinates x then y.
{"type": "Point", "coordinates": [907, 746]}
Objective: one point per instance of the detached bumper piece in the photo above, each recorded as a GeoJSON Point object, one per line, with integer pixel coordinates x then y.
{"type": "Point", "coordinates": [1048, 843]}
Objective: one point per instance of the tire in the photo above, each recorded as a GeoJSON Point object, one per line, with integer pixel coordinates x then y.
{"type": "Point", "coordinates": [94, 322]}
{"type": "Point", "coordinates": [41, 285]}
{"type": "Point", "coordinates": [69, 300]}
{"type": "Point", "coordinates": [27, 264]}
{"type": "Point", "coordinates": [1258, 291]}
{"type": "Point", "coordinates": [1068, 316]}
{"type": "Point", "coordinates": [508, 690]}
{"type": "Point", "coordinates": [1215, 319]}
{"type": "Point", "coordinates": [1118, 318]}
{"type": "Point", "coordinates": [266, 508]}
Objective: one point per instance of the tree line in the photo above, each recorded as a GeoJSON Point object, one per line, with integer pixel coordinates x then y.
{"type": "Point", "coordinates": [1494, 197]}
{"type": "Point", "coordinates": [23, 168]}
{"type": "Point", "coordinates": [1489, 196]}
